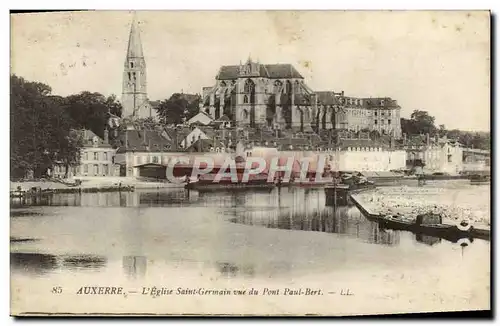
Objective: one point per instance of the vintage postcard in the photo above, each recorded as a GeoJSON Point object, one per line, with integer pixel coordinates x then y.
{"type": "Point", "coordinates": [270, 163]}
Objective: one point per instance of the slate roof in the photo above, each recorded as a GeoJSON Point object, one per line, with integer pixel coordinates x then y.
{"type": "Point", "coordinates": [143, 141]}
{"type": "Point", "coordinates": [87, 139]}
{"type": "Point", "coordinates": [273, 71]}
{"type": "Point", "coordinates": [327, 98]}
{"type": "Point", "coordinates": [203, 145]}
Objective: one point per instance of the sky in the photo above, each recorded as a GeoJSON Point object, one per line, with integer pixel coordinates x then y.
{"type": "Point", "coordinates": [435, 61]}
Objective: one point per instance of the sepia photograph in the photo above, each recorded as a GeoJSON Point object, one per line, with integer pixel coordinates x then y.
{"type": "Point", "coordinates": [250, 163]}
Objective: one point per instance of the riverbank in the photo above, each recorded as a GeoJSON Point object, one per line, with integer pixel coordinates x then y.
{"type": "Point", "coordinates": [93, 184]}
{"type": "Point", "coordinates": [453, 202]}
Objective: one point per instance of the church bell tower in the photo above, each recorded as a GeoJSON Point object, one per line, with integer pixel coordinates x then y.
{"type": "Point", "coordinates": [134, 90]}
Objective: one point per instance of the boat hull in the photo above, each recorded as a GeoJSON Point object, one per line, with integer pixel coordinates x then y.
{"type": "Point", "coordinates": [229, 186]}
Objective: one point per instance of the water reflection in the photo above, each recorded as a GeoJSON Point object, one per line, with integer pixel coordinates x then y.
{"type": "Point", "coordinates": [17, 213]}
{"type": "Point", "coordinates": [144, 198]}
{"type": "Point", "coordinates": [41, 264]}
{"type": "Point", "coordinates": [83, 262]}
{"type": "Point", "coordinates": [37, 264]}
{"type": "Point", "coordinates": [428, 240]}
{"type": "Point", "coordinates": [134, 266]}
{"type": "Point", "coordinates": [305, 210]}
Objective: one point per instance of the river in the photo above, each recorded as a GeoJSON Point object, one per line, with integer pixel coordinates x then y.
{"type": "Point", "coordinates": [269, 240]}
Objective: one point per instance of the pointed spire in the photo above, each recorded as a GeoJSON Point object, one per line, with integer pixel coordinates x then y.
{"type": "Point", "coordinates": [134, 40]}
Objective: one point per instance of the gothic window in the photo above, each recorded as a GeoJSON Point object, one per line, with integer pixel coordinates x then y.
{"type": "Point", "coordinates": [245, 99]}
{"type": "Point", "coordinates": [129, 76]}
{"type": "Point", "coordinates": [131, 65]}
{"type": "Point", "coordinates": [249, 86]}
{"type": "Point", "coordinates": [297, 87]}
{"type": "Point", "coordinates": [245, 114]}
{"type": "Point", "coordinates": [133, 75]}
{"type": "Point", "coordinates": [277, 86]}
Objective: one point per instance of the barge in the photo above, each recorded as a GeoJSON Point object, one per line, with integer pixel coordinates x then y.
{"type": "Point", "coordinates": [426, 224]}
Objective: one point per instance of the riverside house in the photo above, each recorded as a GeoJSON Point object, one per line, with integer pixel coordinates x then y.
{"type": "Point", "coordinates": [96, 158]}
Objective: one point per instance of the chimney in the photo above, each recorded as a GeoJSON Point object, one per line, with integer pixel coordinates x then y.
{"type": "Point", "coordinates": [106, 135]}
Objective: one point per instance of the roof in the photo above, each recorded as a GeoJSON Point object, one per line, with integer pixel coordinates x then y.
{"type": "Point", "coordinates": [203, 145]}
{"type": "Point", "coordinates": [331, 98]}
{"type": "Point", "coordinates": [270, 71]}
{"type": "Point", "coordinates": [88, 139]}
{"type": "Point", "coordinates": [380, 101]}
{"type": "Point", "coordinates": [302, 99]}
{"type": "Point", "coordinates": [143, 140]}
{"type": "Point", "coordinates": [327, 98]}
{"type": "Point", "coordinates": [134, 42]}
{"type": "Point", "coordinates": [154, 103]}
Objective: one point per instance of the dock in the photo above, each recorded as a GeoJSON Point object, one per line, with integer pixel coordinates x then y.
{"type": "Point", "coordinates": [441, 230]}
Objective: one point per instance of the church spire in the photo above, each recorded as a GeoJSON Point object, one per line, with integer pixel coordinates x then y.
{"type": "Point", "coordinates": [134, 90]}
{"type": "Point", "coordinates": [134, 40]}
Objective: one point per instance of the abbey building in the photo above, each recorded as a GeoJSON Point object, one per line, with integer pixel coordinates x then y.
{"type": "Point", "coordinates": [276, 96]}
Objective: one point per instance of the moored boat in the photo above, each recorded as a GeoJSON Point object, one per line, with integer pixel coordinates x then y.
{"type": "Point", "coordinates": [478, 179]}
{"type": "Point", "coordinates": [211, 181]}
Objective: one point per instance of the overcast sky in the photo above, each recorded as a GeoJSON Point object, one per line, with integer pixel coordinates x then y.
{"type": "Point", "coordinates": [437, 61]}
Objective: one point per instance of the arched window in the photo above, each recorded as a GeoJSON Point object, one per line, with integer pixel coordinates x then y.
{"type": "Point", "coordinates": [223, 84]}
{"type": "Point", "coordinates": [131, 65]}
{"type": "Point", "coordinates": [249, 86]}
{"type": "Point", "coordinates": [244, 113]}
{"type": "Point", "coordinates": [277, 86]}
{"type": "Point", "coordinates": [296, 87]}
{"type": "Point", "coordinates": [245, 99]}
{"type": "Point", "coordinates": [288, 87]}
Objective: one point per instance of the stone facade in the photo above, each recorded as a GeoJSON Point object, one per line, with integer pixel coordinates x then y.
{"type": "Point", "coordinates": [96, 159]}
{"type": "Point", "coordinates": [276, 96]}
{"type": "Point", "coordinates": [134, 89]}
{"type": "Point", "coordinates": [257, 95]}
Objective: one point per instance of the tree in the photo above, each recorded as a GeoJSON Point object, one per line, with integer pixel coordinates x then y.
{"type": "Point", "coordinates": [90, 110]}
{"type": "Point", "coordinates": [442, 131]}
{"type": "Point", "coordinates": [420, 122]}
{"type": "Point", "coordinates": [40, 129]}
{"type": "Point", "coordinates": [177, 108]}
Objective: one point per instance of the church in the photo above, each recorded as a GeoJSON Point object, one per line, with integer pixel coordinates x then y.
{"type": "Point", "coordinates": [262, 95]}
{"type": "Point", "coordinates": [265, 96]}
{"type": "Point", "coordinates": [134, 99]}
{"type": "Point", "coordinates": [275, 96]}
